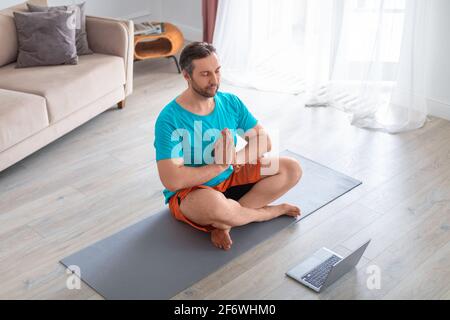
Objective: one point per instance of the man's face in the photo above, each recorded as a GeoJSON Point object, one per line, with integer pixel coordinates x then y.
{"type": "Point", "coordinates": [205, 79]}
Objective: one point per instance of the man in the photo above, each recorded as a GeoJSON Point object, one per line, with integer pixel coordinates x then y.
{"type": "Point", "coordinates": [208, 184]}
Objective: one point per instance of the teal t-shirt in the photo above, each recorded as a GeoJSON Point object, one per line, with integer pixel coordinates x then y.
{"type": "Point", "coordinates": [180, 133]}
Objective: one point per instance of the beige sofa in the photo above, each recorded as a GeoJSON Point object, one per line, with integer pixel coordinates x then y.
{"type": "Point", "coordinates": [40, 104]}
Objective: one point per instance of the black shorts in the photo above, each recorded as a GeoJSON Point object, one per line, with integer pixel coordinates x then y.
{"type": "Point", "coordinates": [237, 192]}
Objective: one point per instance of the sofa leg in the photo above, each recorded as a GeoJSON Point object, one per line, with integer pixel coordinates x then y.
{"type": "Point", "coordinates": [121, 104]}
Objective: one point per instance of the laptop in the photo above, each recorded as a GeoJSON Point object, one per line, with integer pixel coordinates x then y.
{"type": "Point", "coordinates": [324, 267]}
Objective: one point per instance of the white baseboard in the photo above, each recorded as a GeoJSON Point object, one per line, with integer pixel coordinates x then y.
{"type": "Point", "coordinates": [439, 109]}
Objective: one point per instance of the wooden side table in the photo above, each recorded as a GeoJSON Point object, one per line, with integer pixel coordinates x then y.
{"type": "Point", "coordinates": [166, 44]}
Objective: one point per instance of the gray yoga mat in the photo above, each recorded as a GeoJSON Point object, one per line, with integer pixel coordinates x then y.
{"type": "Point", "coordinates": [159, 256]}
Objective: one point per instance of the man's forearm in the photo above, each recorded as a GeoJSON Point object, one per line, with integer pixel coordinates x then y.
{"type": "Point", "coordinates": [194, 176]}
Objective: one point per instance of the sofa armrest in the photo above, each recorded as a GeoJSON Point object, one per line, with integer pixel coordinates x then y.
{"type": "Point", "coordinates": [113, 37]}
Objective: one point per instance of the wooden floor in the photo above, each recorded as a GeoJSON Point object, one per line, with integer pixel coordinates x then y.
{"type": "Point", "coordinates": [102, 177]}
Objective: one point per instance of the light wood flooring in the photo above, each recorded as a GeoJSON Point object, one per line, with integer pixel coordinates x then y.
{"type": "Point", "coordinates": [102, 177]}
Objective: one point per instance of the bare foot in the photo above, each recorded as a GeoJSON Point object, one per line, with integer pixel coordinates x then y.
{"type": "Point", "coordinates": [221, 238]}
{"type": "Point", "coordinates": [282, 209]}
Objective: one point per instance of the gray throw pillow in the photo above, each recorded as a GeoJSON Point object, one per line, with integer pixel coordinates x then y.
{"type": "Point", "coordinates": [45, 38]}
{"type": "Point", "coordinates": [81, 35]}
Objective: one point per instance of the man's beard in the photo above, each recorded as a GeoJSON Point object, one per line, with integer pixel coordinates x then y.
{"type": "Point", "coordinates": [203, 92]}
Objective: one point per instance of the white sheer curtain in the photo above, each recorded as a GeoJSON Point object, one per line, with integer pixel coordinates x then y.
{"type": "Point", "coordinates": [366, 57]}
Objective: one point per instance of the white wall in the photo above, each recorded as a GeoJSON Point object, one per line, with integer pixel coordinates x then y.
{"type": "Point", "coordinates": [109, 8]}
{"type": "Point", "coordinates": [8, 3]}
{"type": "Point", "coordinates": [187, 15]}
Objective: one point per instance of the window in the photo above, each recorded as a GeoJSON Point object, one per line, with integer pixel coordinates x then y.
{"type": "Point", "coordinates": [383, 18]}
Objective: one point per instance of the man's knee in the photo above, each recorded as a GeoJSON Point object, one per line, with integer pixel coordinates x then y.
{"type": "Point", "coordinates": [202, 205]}
{"type": "Point", "coordinates": [292, 169]}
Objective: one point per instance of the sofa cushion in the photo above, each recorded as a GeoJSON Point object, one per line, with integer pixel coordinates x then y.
{"type": "Point", "coordinates": [21, 116]}
{"type": "Point", "coordinates": [81, 35]}
{"type": "Point", "coordinates": [67, 88]}
{"type": "Point", "coordinates": [46, 38]}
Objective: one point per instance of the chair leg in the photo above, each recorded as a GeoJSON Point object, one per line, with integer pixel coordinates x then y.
{"type": "Point", "coordinates": [121, 104]}
{"type": "Point", "coordinates": [176, 62]}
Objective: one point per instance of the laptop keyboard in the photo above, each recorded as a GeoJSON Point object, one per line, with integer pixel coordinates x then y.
{"type": "Point", "coordinates": [317, 276]}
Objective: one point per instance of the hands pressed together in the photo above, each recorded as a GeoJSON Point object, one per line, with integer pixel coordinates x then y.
{"type": "Point", "coordinates": [225, 150]}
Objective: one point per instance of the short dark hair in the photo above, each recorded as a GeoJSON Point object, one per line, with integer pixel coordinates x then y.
{"type": "Point", "coordinates": [193, 51]}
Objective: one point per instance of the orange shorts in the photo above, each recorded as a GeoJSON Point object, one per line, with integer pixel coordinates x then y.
{"type": "Point", "coordinates": [249, 173]}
